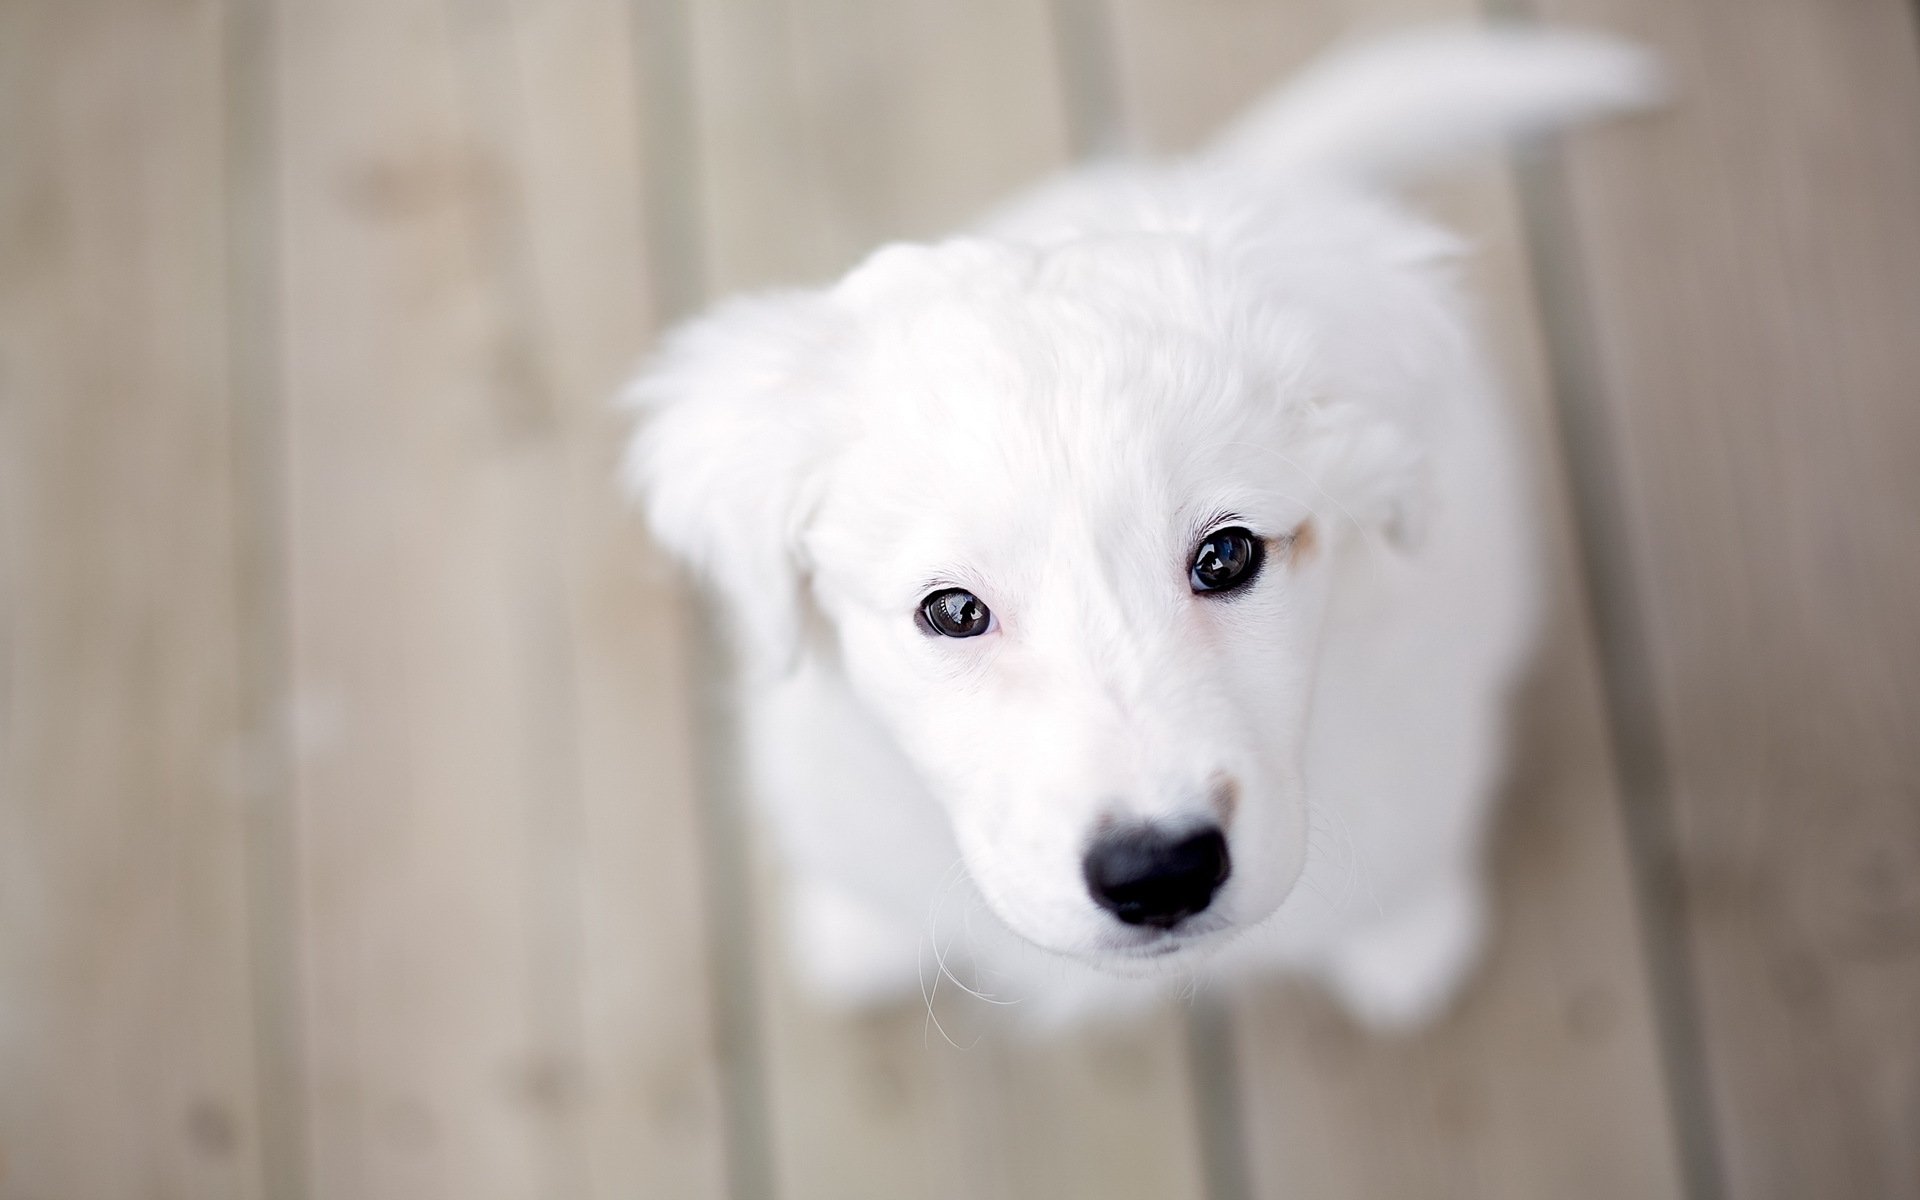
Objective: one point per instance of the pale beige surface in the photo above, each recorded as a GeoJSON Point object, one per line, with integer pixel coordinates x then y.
{"type": "Point", "coordinates": [126, 1061]}
{"type": "Point", "coordinates": [1754, 271]}
{"type": "Point", "coordinates": [365, 814]}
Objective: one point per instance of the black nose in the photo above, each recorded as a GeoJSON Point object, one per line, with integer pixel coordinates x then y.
{"type": "Point", "coordinates": [1145, 876]}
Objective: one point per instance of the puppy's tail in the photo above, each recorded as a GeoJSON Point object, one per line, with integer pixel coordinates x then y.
{"type": "Point", "coordinates": [1391, 109]}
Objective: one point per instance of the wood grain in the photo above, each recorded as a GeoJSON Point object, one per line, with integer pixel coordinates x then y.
{"type": "Point", "coordinates": [501, 893]}
{"type": "Point", "coordinates": [1548, 1080]}
{"type": "Point", "coordinates": [1751, 266]}
{"type": "Point", "coordinates": [421, 585]}
{"type": "Point", "coordinates": [126, 1013]}
{"type": "Point", "coordinates": [553, 90]}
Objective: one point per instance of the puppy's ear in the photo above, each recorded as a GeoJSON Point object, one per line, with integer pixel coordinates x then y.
{"type": "Point", "coordinates": [727, 453]}
{"type": "Point", "coordinates": [1374, 470]}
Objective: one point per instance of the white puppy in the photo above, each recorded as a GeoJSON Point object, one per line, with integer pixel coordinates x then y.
{"type": "Point", "coordinates": [1147, 567]}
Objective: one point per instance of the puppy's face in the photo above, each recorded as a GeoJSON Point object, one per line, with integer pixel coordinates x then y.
{"type": "Point", "coordinates": [1066, 520]}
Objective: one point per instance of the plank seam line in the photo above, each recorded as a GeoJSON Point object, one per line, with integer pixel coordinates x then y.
{"type": "Point", "coordinates": [1089, 65]}
{"type": "Point", "coordinates": [1579, 390]}
{"type": "Point", "coordinates": [262, 583]}
{"type": "Point", "coordinates": [677, 275]}
{"type": "Point", "coordinates": [1606, 592]}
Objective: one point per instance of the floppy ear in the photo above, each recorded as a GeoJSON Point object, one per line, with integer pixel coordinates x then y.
{"type": "Point", "coordinates": [1373, 469]}
{"type": "Point", "coordinates": [729, 444]}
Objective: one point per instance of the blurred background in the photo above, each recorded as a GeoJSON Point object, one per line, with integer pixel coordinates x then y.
{"type": "Point", "coordinates": [367, 827]}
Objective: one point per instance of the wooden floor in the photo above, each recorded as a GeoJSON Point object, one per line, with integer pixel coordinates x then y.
{"type": "Point", "coordinates": [366, 823]}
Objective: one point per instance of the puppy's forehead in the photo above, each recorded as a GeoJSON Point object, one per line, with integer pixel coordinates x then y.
{"type": "Point", "coordinates": [986, 482]}
{"type": "Point", "coordinates": [1098, 341]}
{"type": "Point", "coordinates": [997, 409]}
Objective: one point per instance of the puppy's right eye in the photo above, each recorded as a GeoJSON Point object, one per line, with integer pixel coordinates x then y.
{"type": "Point", "coordinates": [956, 613]}
{"type": "Point", "coordinates": [1227, 559]}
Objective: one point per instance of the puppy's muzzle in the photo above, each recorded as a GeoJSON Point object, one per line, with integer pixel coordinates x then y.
{"type": "Point", "coordinates": [1147, 876]}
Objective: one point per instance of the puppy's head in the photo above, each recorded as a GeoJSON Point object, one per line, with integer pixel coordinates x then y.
{"type": "Point", "coordinates": [1066, 518]}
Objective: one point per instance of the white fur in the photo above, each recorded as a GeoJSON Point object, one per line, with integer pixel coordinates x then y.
{"type": "Point", "coordinates": [1048, 411]}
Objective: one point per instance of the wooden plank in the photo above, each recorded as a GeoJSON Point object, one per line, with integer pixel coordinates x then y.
{"type": "Point", "coordinates": [877, 120]}
{"type": "Point", "coordinates": [126, 1034]}
{"type": "Point", "coordinates": [1752, 266]}
{"type": "Point", "coordinates": [496, 1005]}
{"type": "Point", "coordinates": [553, 89]}
{"type": "Point", "coordinates": [1548, 1080]}
{"type": "Point", "coordinates": [829, 126]}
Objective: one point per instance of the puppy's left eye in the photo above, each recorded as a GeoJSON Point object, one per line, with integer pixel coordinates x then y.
{"type": "Point", "coordinates": [1227, 559]}
{"type": "Point", "coordinates": [955, 613]}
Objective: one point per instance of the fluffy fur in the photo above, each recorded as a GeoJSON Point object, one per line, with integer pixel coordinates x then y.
{"type": "Point", "coordinates": [1049, 411]}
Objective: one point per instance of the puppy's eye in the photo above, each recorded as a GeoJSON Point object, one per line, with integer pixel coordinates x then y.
{"type": "Point", "coordinates": [1227, 559]}
{"type": "Point", "coordinates": [955, 613]}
